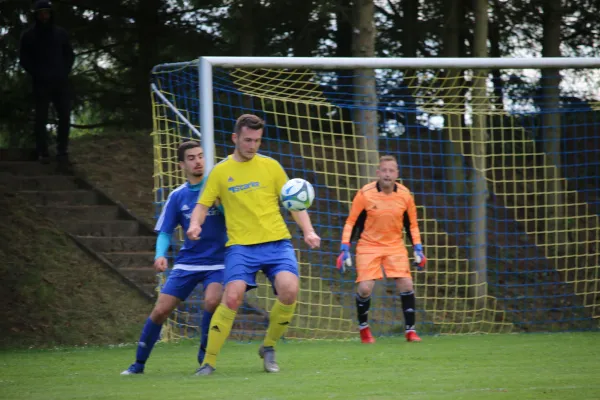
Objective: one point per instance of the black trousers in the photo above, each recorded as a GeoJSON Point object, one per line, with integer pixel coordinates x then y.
{"type": "Point", "coordinates": [59, 95]}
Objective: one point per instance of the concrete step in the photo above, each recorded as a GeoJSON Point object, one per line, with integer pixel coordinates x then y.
{"type": "Point", "coordinates": [128, 259]}
{"type": "Point", "coordinates": [101, 228]}
{"type": "Point", "coordinates": [145, 275]}
{"type": "Point", "coordinates": [28, 168]}
{"type": "Point", "coordinates": [119, 243]}
{"type": "Point", "coordinates": [43, 183]}
{"type": "Point", "coordinates": [150, 288]}
{"type": "Point", "coordinates": [242, 322]}
{"type": "Point", "coordinates": [14, 154]}
{"type": "Point", "coordinates": [60, 197]}
{"type": "Point", "coordinates": [88, 213]}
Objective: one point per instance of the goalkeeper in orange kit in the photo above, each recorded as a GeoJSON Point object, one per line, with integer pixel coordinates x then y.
{"type": "Point", "coordinates": [379, 212]}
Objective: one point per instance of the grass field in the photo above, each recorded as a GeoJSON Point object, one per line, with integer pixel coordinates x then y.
{"type": "Point", "coordinates": [535, 366]}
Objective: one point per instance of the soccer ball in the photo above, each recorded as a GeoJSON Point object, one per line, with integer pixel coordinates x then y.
{"type": "Point", "coordinates": [297, 194]}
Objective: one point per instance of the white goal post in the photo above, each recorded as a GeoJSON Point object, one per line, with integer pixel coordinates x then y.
{"type": "Point", "coordinates": [206, 65]}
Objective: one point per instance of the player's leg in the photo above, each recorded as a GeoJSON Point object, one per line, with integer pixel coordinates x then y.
{"type": "Point", "coordinates": [368, 270]}
{"type": "Point", "coordinates": [363, 304]}
{"type": "Point", "coordinates": [178, 287]}
{"type": "Point", "coordinates": [221, 324]}
{"type": "Point", "coordinates": [397, 267]}
{"type": "Point", "coordinates": [239, 275]}
{"type": "Point", "coordinates": [281, 268]}
{"type": "Point", "coordinates": [213, 291]}
{"type": "Point", "coordinates": [151, 332]}
{"type": "Point", "coordinates": [407, 295]}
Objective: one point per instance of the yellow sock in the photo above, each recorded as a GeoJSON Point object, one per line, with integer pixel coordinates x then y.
{"type": "Point", "coordinates": [279, 320]}
{"type": "Point", "coordinates": [220, 327]}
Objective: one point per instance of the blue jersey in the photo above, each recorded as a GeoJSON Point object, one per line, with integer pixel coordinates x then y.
{"type": "Point", "coordinates": [205, 254]}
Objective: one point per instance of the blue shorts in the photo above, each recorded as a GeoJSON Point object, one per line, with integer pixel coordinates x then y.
{"type": "Point", "coordinates": [243, 262]}
{"type": "Point", "coordinates": [180, 282]}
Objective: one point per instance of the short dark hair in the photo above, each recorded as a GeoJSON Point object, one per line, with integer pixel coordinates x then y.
{"type": "Point", "coordinates": [248, 121]}
{"type": "Point", "coordinates": [185, 146]}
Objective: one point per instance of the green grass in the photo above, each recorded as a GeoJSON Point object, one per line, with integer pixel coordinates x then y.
{"type": "Point", "coordinates": [536, 366]}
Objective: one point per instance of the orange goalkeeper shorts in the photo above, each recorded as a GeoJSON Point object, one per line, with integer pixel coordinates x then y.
{"type": "Point", "coordinates": [368, 266]}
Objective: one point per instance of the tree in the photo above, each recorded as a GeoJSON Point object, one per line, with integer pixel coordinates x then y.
{"type": "Point", "coordinates": [453, 99]}
{"type": "Point", "coordinates": [478, 144]}
{"type": "Point", "coordinates": [365, 93]}
{"type": "Point", "coordinates": [550, 108]}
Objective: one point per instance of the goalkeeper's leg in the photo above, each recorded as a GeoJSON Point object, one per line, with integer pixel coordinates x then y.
{"type": "Point", "coordinates": [363, 303]}
{"type": "Point", "coordinates": [368, 270]}
{"type": "Point", "coordinates": [397, 267]}
{"type": "Point", "coordinates": [407, 295]}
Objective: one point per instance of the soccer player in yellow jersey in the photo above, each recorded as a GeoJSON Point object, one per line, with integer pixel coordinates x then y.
{"type": "Point", "coordinates": [248, 186]}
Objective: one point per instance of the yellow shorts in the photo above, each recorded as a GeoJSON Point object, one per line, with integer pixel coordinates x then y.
{"type": "Point", "coordinates": [368, 266]}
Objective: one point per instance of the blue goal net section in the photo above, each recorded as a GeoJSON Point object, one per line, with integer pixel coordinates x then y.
{"type": "Point", "coordinates": [503, 165]}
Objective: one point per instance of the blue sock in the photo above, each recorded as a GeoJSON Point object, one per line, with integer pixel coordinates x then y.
{"type": "Point", "coordinates": [206, 317]}
{"type": "Point", "coordinates": [148, 338]}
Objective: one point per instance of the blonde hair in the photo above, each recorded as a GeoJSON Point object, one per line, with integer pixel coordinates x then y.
{"type": "Point", "coordinates": [387, 158]}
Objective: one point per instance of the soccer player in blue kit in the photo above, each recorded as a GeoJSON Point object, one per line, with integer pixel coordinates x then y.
{"type": "Point", "coordinates": [248, 185]}
{"type": "Point", "coordinates": [198, 262]}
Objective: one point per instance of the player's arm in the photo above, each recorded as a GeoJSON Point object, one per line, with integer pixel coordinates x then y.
{"type": "Point", "coordinates": [210, 194]}
{"type": "Point", "coordinates": [166, 224]}
{"type": "Point", "coordinates": [301, 217]}
{"type": "Point", "coordinates": [415, 233]}
{"type": "Point", "coordinates": [358, 206]}
{"type": "Point", "coordinates": [310, 236]}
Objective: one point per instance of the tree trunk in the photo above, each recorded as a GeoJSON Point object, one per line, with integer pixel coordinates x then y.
{"type": "Point", "coordinates": [478, 241]}
{"type": "Point", "coordinates": [550, 104]}
{"type": "Point", "coordinates": [495, 53]}
{"type": "Point", "coordinates": [343, 40]}
{"type": "Point", "coordinates": [410, 43]}
{"type": "Point", "coordinates": [365, 95]}
{"type": "Point", "coordinates": [453, 101]}
{"type": "Point", "coordinates": [148, 26]}
{"type": "Point", "coordinates": [247, 41]}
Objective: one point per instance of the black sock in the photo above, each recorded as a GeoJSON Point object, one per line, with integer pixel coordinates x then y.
{"type": "Point", "coordinates": [408, 307]}
{"type": "Point", "coordinates": [362, 309]}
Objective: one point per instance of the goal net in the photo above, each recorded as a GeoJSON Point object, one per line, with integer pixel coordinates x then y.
{"type": "Point", "coordinates": [502, 162]}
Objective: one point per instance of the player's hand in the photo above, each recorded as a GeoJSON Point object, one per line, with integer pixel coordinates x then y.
{"type": "Point", "coordinates": [312, 240]}
{"type": "Point", "coordinates": [193, 232]}
{"type": "Point", "coordinates": [344, 260]}
{"type": "Point", "coordinates": [161, 264]}
{"type": "Point", "coordinates": [420, 259]}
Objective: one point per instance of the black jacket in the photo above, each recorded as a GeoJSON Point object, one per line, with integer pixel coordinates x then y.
{"type": "Point", "coordinates": [46, 53]}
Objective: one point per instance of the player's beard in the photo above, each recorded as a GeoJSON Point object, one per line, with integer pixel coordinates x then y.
{"type": "Point", "coordinates": [386, 183]}
{"type": "Point", "coordinates": [246, 155]}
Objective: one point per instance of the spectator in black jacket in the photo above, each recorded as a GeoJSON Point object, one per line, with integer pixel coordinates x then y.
{"type": "Point", "coordinates": [46, 54]}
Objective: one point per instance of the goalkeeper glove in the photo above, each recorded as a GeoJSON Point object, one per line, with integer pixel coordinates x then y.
{"type": "Point", "coordinates": [344, 260]}
{"type": "Point", "coordinates": [420, 259]}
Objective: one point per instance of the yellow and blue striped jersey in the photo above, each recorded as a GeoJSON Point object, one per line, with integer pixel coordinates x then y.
{"type": "Point", "coordinates": [249, 192]}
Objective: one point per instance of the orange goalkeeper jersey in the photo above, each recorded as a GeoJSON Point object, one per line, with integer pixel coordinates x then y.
{"type": "Point", "coordinates": [378, 219]}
